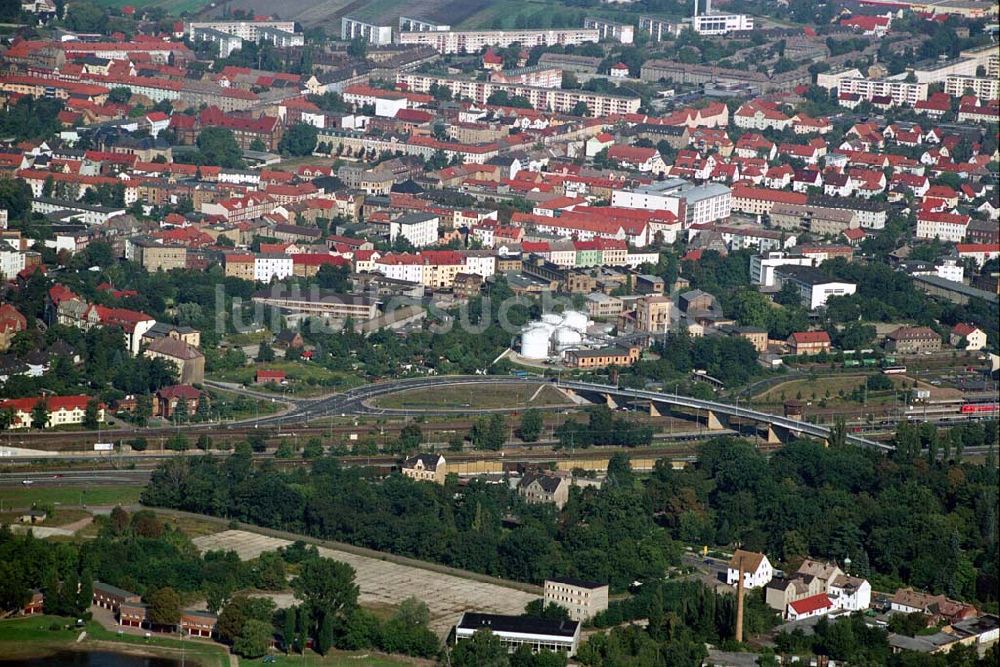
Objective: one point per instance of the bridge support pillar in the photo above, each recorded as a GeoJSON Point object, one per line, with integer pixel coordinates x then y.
{"type": "Point", "coordinates": [772, 436]}
{"type": "Point", "coordinates": [610, 401]}
{"type": "Point", "coordinates": [714, 423]}
{"type": "Point", "coordinates": [653, 411]}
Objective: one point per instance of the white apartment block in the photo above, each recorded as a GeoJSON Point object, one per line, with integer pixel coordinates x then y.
{"type": "Point", "coordinates": [620, 32]}
{"type": "Point", "coordinates": [986, 56]}
{"type": "Point", "coordinates": [943, 226]}
{"type": "Point", "coordinates": [245, 30]}
{"type": "Point", "coordinates": [897, 89]}
{"type": "Point", "coordinates": [938, 72]}
{"type": "Point", "coordinates": [983, 87]}
{"type": "Point", "coordinates": [379, 35]}
{"type": "Point", "coordinates": [420, 229]}
{"type": "Point", "coordinates": [474, 41]}
{"type": "Point", "coordinates": [11, 261]}
{"type": "Point", "coordinates": [542, 99]}
{"type": "Point", "coordinates": [268, 265]}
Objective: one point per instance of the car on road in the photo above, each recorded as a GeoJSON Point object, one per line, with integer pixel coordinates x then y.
{"type": "Point", "coordinates": [27, 482]}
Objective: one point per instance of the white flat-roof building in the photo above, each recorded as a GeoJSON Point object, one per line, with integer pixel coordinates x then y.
{"type": "Point", "coordinates": [514, 631]}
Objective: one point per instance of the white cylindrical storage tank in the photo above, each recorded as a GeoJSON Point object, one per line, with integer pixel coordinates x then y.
{"type": "Point", "coordinates": [554, 319]}
{"type": "Point", "coordinates": [566, 336]}
{"type": "Point", "coordinates": [575, 320]}
{"type": "Point", "coordinates": [535, 342]}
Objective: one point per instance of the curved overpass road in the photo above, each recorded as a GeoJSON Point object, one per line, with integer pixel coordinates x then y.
{"type": "Point", "coordinates": [353, 402]}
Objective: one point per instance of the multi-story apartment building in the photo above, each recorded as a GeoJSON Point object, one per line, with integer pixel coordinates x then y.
{"type": "Point", "coordinates": [620, 32]}
{"type": "Point", "coordinates": [474, 41]}
{"type": "Point", "coordinates": [582, 599]}
{"type": "Point", "coordinates": [983, 87]}
{"type": "Point", "coordinates": [373, 33]}
{"type": "Point", "coordinates": [897, 88]}
{"type": "Point", "coordinates": [249, 31]}
{"type": "Point", "coordinates": [545, 99]}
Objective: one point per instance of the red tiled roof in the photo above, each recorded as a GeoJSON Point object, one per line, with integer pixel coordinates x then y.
{"type": "Point", "coordinates": [801, 337]}
{"type": "Point", "coordinates": [811, 604]}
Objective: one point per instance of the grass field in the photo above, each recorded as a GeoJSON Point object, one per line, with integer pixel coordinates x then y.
{"type": "Point", "coordinates": [483, 398]}
{"type": "Point", "coordinates": [173, 7]}
{"type": "Point", "coordinates": [31, 637]}
{"type": "Point", "coordinates": [817, 388]}
{"type": "Point", "coordinates": [305, 379]}
{"type": "Point", "coordinates": [23, 497]}
{"type": "Point", "coordinates": [338, 659]}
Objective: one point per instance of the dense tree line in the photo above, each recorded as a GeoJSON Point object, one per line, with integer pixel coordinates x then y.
{"type": "Point", "coordinates": [599, 535]}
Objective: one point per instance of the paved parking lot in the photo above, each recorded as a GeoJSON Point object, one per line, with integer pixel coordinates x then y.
{"type": "Point", "coordinates": [384, 583]}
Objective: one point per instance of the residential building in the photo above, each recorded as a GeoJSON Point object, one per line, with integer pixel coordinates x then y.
{"type": "Point", "coordinates": [474, 41]}
{"type": "Point", "coordinates": [514, 631]}
{"type": "Point", "coordinates": [582, 599]}
{"type": "Point", "coordinates": [757, 569]}
{"type": "Point", "coordinates": [62, 410]}
{"type": "Point", "coordinates": [426, 468]}
{"type": "Point", "coordinates": [809, 342]}
{"type": "Point", "coordinates": [11, 323]}
{"type": "Point", "coordinates": [599, 105]}
{"type": "Point", "coordinates": [420, 229]}
{"type": "Point", "coordinates": [913, 340]}
{"type": "Point", "coordinates": [653, 313]}
{"type": "Point", "coordinates": [189, 361]}
{"type": "Point", "coordinates": [544, 488]}
{"type": "Point", "coordinates": [168, 399]}
{"type": "Point", "coordinates": [602, 358]}
{"type": "Point", "coordinates": [973, 337]}
{"type": "Point", "coordinates": [816, 605]}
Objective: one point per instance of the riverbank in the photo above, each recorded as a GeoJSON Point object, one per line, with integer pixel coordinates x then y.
{"type": "Point", "coordinates": [42, 635]}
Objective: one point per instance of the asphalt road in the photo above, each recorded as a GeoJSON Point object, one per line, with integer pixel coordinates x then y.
{"type": "Point", "coordinates": [75, 478]}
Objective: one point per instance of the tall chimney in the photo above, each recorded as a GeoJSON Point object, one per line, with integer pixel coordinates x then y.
{"type": "Point", "coordinates": [696, 8]}
{"type": "Point", "coordinates": [708, 7]}
{"type": "Point", "coordinates": [739, 600]}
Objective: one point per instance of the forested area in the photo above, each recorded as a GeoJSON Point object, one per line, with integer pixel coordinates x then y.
{"type": "Point", "coordinates": [481, 527]}
{"type": "Point", "coordinates": [145, 555]}
{"type": "Point", "coordinates": [902, 520]}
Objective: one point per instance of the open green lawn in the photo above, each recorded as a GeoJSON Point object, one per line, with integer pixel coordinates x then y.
{"type": "Point", "coordinates": [15, 497]}
{"type": "Point", "coordinates": [305, 379]}
{"type": "Point", "coordinates": [485, 397]}
{"type": "Point", "coordinates": [336, 659]}
{"type": "Point", "coordinates": [31, 636]}
{"type": "Point", "coordinates": [173, 7]}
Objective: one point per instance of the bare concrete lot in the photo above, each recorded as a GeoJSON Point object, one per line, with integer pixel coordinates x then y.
{"type": "Point", "coordinates": [383, 583]}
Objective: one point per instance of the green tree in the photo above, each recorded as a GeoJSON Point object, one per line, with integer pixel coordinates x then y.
{"type": "Point", "coordinates": [265, 352]}
{"type": "Point", "coordinates": [531, 425]}
{"type": "Point", "coordinates": [254, 640]}
{"type": "Point", "coordinates": [327, 586]}
{"type": "Point", "coordinates": [164, 607]}
{"type": "Point", "coordinates": [120, 95]}
{"type": "Point", "coordinates": [299, 140]}
{"type": "Point", "coordinates": [40, 414]}
{"type": "Point", "coordinates": [219, 147]}
{"type": "Point", "coordinates": [483, 649]}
